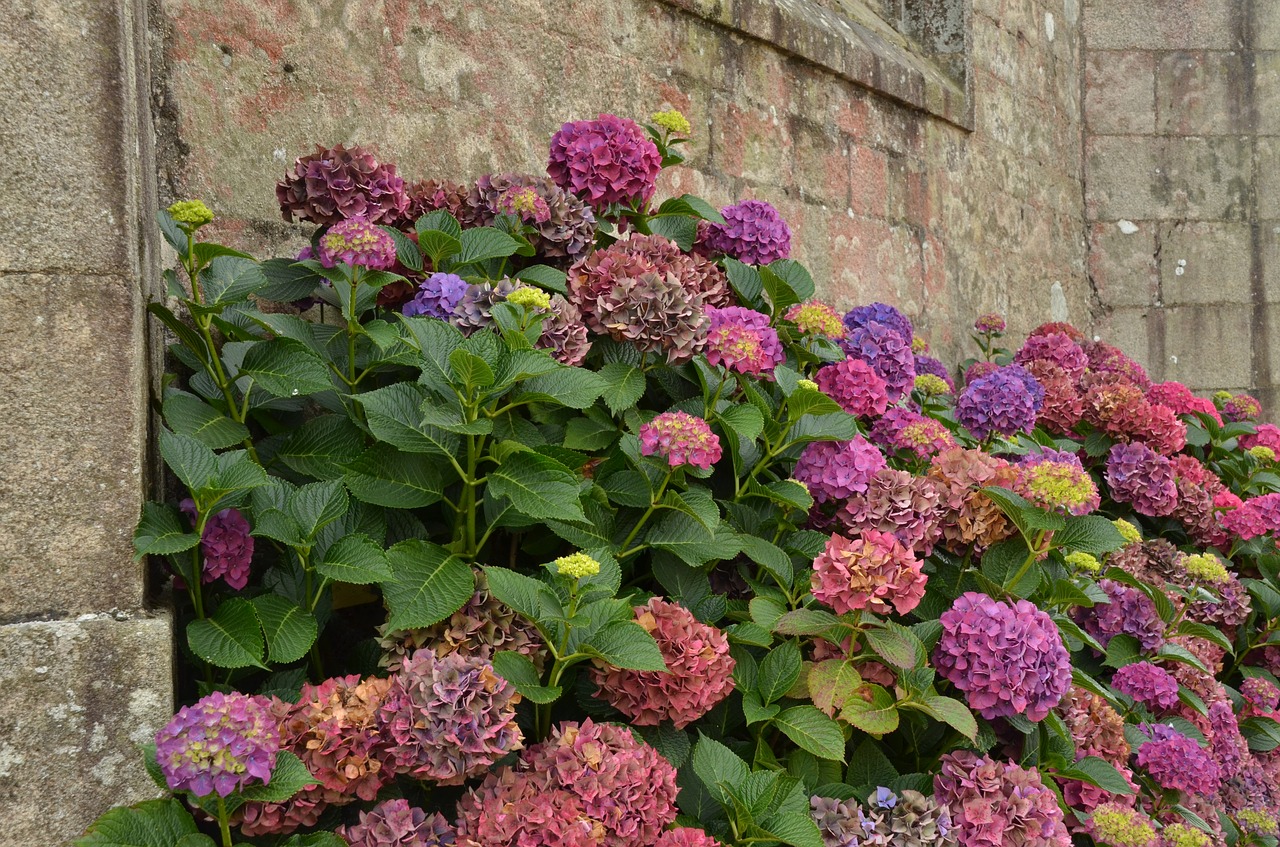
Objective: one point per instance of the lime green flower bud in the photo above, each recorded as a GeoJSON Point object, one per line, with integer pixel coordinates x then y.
{"type": "Point", "coordinates": [931, 385]}
{"type": "Point", "coordinates": [1086, 562]}
{"type": "Point", "coordinates": [1257, 822]}
{"type": "Point", "coordinates": [1205, 567]}
{"type": "Point", "coordinates": [1262, 454]}
{"type": "Point", "coordinates": [530, 298]}
{"type": "Point", "coordinates": [918, 344]}
{"type": "Point", "coordinates": [1128, 531]}
{"type": "Point", "coordinates": [672, 120]}
{"type": "Point", "coordinates": [577, 566]}
{"type": "Point", "coordinates": [192, 214]}
{"type": "Point", "coordinates": [808, 385]}
{"type": "Point", "coordinates": [1181, 835]}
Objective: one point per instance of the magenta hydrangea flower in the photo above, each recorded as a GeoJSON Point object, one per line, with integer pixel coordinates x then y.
{"type": "Point", "coordinates": [1003, 402]}
{"type": "Point", "coordinates": [699, 670]}
{"type": "Point", "coordinates": [356, 241]}
{"type": "Point", "coordinates": [989, 324]}
{"type": "Point", "coordinates": [226, 545]}
{"type": "Point", "coordinates": [1149, 684]}
{"type": "Point", "coordinates": [873, 571]}
{"type": "Point", "coordinates": [588, 785]}
{"type": "Point", "coordinates": [681, 439]}
{"type": "Point", "coordinates": [449, 717]}
{"type": "Point", "coordinates": [978, 370]}
{"type": "Point", "coordinates": [604, 161]}
{"type": "Point", "coordinates": [1129, 611]}
{"type": "Point", "coordinates": [1104, 359]}
{"type": "Point", "coordinates": [394, 823]}
{"type": "Point", "coordinates": [1268, 435]}
{"type": "Point", "coordinates": [1256, 516]}
{"type": "Point", "coordinates": [887, 351]}
{"type": "Point", "coordinates": [1007, 659]}
{"type": "Point", "coordinates": [930, 365]}
{"type": "Point", "coordinates": [1057, 348]}
{"type": "Point", "coordinates": [437, 296]}
{"type": "Point", "coordinates": [1141, 477]}
{"type": "Point", "coordinates": [1176, 396]}
{"type": "Point", "coordinates": [855, 385]}
{"type": "Point", "coordinates": [219, 744]}
{"type": "Point", "coordinates": [525, 203]}
{"type": "Point", "coordinates": [1241, 407]}
{"type": "Point", "coordinates": [686, 836]}
{"type": "Point", "coordinates": [881, 313]}
{"type": "Point", "coordinates": [912, 433]}
{"type": "Point", "coordinates": [995, 804]}
{"type": "Point", "coordinates": [742, 340]}
{"type": "Point", "coordinates": [907, 507]}
{"type": "Point", "coordinates": [1055, 480]}
{"type": "Point", "coordinates": [833, 470]}
{"type": "Point", "coordinates": [1261, 697]}
{"type": "Point", "coordinates": [340, 183]}
{"type": "Point", "coordinates": [753, 232]}
{"type": "Point", "coordinates": [1177, 762]}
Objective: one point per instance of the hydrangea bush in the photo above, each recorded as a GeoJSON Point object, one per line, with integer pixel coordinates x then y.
{"type": "Point", "coordinates": [542, 510]}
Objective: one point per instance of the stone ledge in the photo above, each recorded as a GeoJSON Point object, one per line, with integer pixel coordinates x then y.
{"type": "Point", "coordinates": [80, 696]}
{"type": "Point", "coordinates": [846, 48]}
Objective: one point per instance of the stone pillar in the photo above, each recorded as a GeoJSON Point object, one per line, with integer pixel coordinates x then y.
{"type": "Point", "coordinates": [85, 666]}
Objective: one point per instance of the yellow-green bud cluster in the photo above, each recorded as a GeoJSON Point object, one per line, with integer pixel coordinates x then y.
{"type": "Point", "coordinates": [530, 297]}
{"type": "Point", "coordinates": [1127, 531]}
{"type": "Point", "coordinates": [1222, 396]}
{"type": "Point", "coordinates": [918, 344]}
{"type": "Point", "coordinates": [808, 385]}
{"type": "Point", "coordinates": [1182, 835]}
{"type": "Point", "coordinates": [1117, 826]}
{"type": "Point", "coordinates": [577, 566]}
{"type": "Point", "coordinates": [1205, 567]}
{"type": "Point", "coordinates": [191, 213]}
{"type": "Point", "coordinates": [1081, 561]}
{"type": "Point", "coordinates": [1259, 823]}
{"type": "Point", "coordinates": [931, 385]}
{"type": "Point", "coordinates": [672, 120]}
{"type": "Point", "coordinates": [1262, 453]}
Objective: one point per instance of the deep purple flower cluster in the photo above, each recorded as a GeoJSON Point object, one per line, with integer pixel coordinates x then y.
{"type": "Point", "coordinates": [1130, 612]}
{"type": "Point", "coordinates": [1007, 659]}
{"type": "Point", "coordinates": [1140, 476]}
{"type": "Point", "coordinates": [855, 385]}
{"type": "Point", "coordinates": [833, 470]}
{"type": "Point", "coordinates": [1149, 684]}
{"type": "Point", "coordinates": [226, 545]}
{"type": "Point", "coordinates": [881, 313]}
{"type": "Point", "coordinates": [1004, 402]}
{"type": "Point", "coordinates": [340, 183]}
{"type": "Point", "coordinates": [219, 744]}
{"type": "Point", "coordinates": [608, 160]}
{"type": "Point", "coordinates": [753, 232]}
{"type": "Point", "coordinates": [1177, 762]}
{"type": "Point", "coordinates": [394, 823]}
{"type": "Point", "coordinates": [437, 296]}
{"type": "Point", "coordinates": [887, 351]}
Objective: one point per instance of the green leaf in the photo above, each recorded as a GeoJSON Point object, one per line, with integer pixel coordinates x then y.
{"type": "Point", "coordinates": [162, 531]}
{"type": "Point", "coordinates": [355, 559]}
{"type": "Point", "coordinates": [589, 435]}
{"type": "Point", "coordinates": [780, 293]}
{"type": "Point", "coordinates": [811, 730]}
{"type": "Point", "coordinates": [951, 712]}
{"type": "Point", "coordinates": [537, 486]}
{"type": "Point", "coordinates": [795, 275]}
{"type": "Point", "coordinates": [322, 447]}
{"type": "Point", "coordinates": [230, 279]}
{"type": "Point", "coordinates": [681, 229]}
{"type": "Point", "coordinates": [684, 536]}
{"type": "Point", "coordinates": [626, 645]}
{"type": "Point", "coordinates": [806, 622]}
{"type": "Point", "coordinates": [768, 555]}
{"type": "Point", "coordinates": [316, 505]}
{"type": "Point", "coordinates": [868, 766]}
{"type": "Point", "coordinates": [744, 419]}
{"type": "Point", "coordinates": [795, 829]}
{"type": "Point", "coordinates": [745, 281]}
{"type": "Point", "coordinates": [1089, 534]}
{"type": "Point", "coordinates": [717, 767]}
{"type": "Point", "coordinates": [385, 476]}
{"type": "Point", "coordinates": [518, 670]}
{"type": "Point", "coordinates": [811, 403]}
{"type": "Point", "coordinates": [191, 461]}
{"type": "Point", "coordinates": [687, 204]}
{"type": "Point", "coordinates": [624, 385]}
{"type": "Point", "coordinates": [832, 683]}
{"type": "Point", "coordinates": [1177, 653]}
{"type": "Point", "coordinates": [576, 388]}
{"type": "Point", "coordinates": [154, 823]}
{"type": "Point", "coordinates": [545, 277]}
{"type": "Point", "coordinates": [469, 370]}
{"type": "Point", "coordinates": [877, 716]}
{"type": "Point", "coordinates": [1098, 772]}
{"type": "Point", "coordinates": [288, 777]}
{"type": "Point", "coordinates": [314, 839]}
{"type": "Point", "coordinates": [1208, 633]}
{"type": "Point", "coordinates": [1263, 734]}
{"type": "Point", "coordinates": [407, 251]}
{"type": "Point", "coordinates": [779, 671]}
{"type": "Point", "coordinates": [427, 584]}
{"type": "Point", "coordinates": [1123, 650]}
{"type": "Point", "coordinates": [187, 414]}
{"type": "Point", "coordinates": [522, 593]}
{"type": "Point", "coordinates": [286, 368]}
{"type": "Point", "coordinates": [232, 638]}
{"type": "Point", "coordinates": [290, 629]}
{"type": "Point", "coordinates": [482, 243]}
{"type": "Point", "coordinates": [896, 644]}
{"type": "Point", "coordinates": [395, 416]}
{"type": "Point", "coordinates": [287, 280]}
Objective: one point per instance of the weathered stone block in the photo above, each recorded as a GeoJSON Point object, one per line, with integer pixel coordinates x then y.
{"type": "Point", "coordinates": [1130, 330]}
{"type": "Point", "coordinates": [1122, 261]}
{"type": "Point", "coordinates": [1145, 178]}
{"type": "Point", "coordinates": [74, 431]}
{"type": "Point", "coordinates": [1208, 346]}
{"type": "Point", "coordinates": [1205, 263]}
{"type": "Point", "coordinates": [1162, 24]}
{"type": "Point", "coordinates": [1202, 93]}
{"type": "Point", "coordinates": [80, 696]}
{"type": "Point", "coordinates": [1120, 92]}
{"type": "Point", "coordinates": [1266, 26]}
{"type": "Point", "coordinates": [1267, 92]}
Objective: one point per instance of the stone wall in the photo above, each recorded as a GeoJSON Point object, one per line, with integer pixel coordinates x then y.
{"type": "Point", "coordinates": [1182, 123]}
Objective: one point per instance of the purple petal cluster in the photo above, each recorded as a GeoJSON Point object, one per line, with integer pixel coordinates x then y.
{"type": "Point", "coordinates": [881, 313]}
{"type": "Point", "coordinates": [340, 183]}
{"type": "Point", "coordinates": [753, 233]}
{"type": "Point", "coordinates": [887, 351]}
{"type": "Point", "coordinates": [357, 241]}
{"type": "Point", "coordinates": [681, 439]}
{"type": "Point", "coordinates": [855, 385]}
{"type": "Point", "coordinates": [995, 804]}
{"type": "Point", "coordinates": [1129, 612]}
{"type": "Point", "coordinates": [1177, 762]}
{"type": "Point", "coordinates": [1007, 659]}
{"type": "Point", "coordinates": [833, 470]}
{"type": "Point", "coordinates": [564, 227]}
{"type": "Point", "coordinates": [219, 744]}
{"type": "Point", "coordinates": [742, 340]}
{"type": "Point", "coordinates": [1241, 407]}
{"type": "Point", "coordinates": [989, 324]}
{"type": "Point", "coordinates": [226, 545]}
{"type": "Point", "coordinates": [1141, 477]}
{"type": "Point", "coordinates": [907, 507]}
{"type": "Point", "coordinates": [1058, 349]}
{"type": "Point", "coordinates": [1149, 684]}
{"type": "Point", "coordinates": [1004, 402]}
{"type": "Point", "coordinates": [912, 433]}
{"type": "Point", "coordinates": [437, 296]}
{"type": "Point", "coordinates": [394, 823]}
{"type": "Point", "coordinates": [604, 161]}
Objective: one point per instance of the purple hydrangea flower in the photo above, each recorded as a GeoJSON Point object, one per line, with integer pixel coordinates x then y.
{"type": "Point", "coordinates": [881, 313]}
{"type": "Point", "coordinates": [1226, 741]}
{"type": "Point", "coordinates": [332, 184]}
{"type": "Point", "coordinates": [226, 545]}
{"type": "Point", "coordinates": [219, 744]}
{"type": "Point", "coordinates": [357, 242]}
{"type": "Point", "coordinates": [887, 351]}
{"type": "Point", "coordinates": [1140, 476]}
{"type": "Point", "coordinates": [608, 160]}
{"type": "Point", "coordinates": [394, 823]}
{"type": "Point", "coordinates": [1055, 480]}
{"type": "Point", "coordinates": [1130, 612]}
{"type": "Point", "coordinates": [1006, 401]}
{"type": "Point", "coordinates": [753, 232]}
{"type": "Point", "coordinates": [989, 324]}
{"type": "Point", "coordinates": [1008, 660]}
{"type": "Point", "coordinates": [437, 296]}
{"type": "Point", "coordinates": [833, 470]}
{"type": "Point", "coordinates": [1177, 762]}
{"type": "Point", "coordinates": [911, 432]}
{"type": "Point", "coordinates": [1149, 684]}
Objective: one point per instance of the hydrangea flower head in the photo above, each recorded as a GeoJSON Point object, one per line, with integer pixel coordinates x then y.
{"type": "Point", "coordinates": [929, 366]}
{"type": "Point", "coordinates": [887, 351]}
{"type": "Point", "coordinates": [1083, 562]}
{"type": "Point", "coordinates": [1138, 475]}
{"type": "Point", "coordinates": [861, 316]}
{"type": "Point", "coordinates": [577, 566]}
{"type": "Point", "coordinates": [672, 120]}
{"type": "Point", "coordinates": [1130, 612]}
{"type": "Point", "coordinates": [989, 324]}
{"type": "Point", "coordinates": [340, 183]}
{"type": "Point", "coordinates": [568, 231]}
{"type": "Point", "coordinates": [855, 385]}
{"type": "Point", "coordinates": [686, 836]}
{"type": "Point", "coordinates": [874, 571]}
{"type": "Point", "coordinates": [604, 161]}
{"type": "Point", "coordinates": [832, 470]}
{"type": "Point", "coordinates": [807, 385]}
{"type": "Point", "coordinates": [1104, 359]}
{"type": "Point", "coordinates": [681, 439]}
{"type": "Point", "coordinates": [1261, 697]}
{"type": "Point", "coordinates": [699, 670]}
{"type": "Point", "coordinates": [1179, 398]}
{"type": "Point", "coordinates": [394, 823]}
{"type": "Point", "coordinates": [525, 203]}
{"type": "Point", "coordinates": [1056, 481]}
{"type": "Point", "coordinates": [919, 345]}
{"type": "Point", "coordinates": [1267, 435]}
{"type": "Point", "coordinates": [1262, 453]}
{"type": "Point", "coordinates": [1056, 348]}
{"type": "Point", "coordinates": [1183, 835]}
{"type": "Point", "coordinates": [1114, 825]}
{"type": "Point", "coordinates": [976, 653]}
{"type": "Point", "coordinates": [533, 299]}
{"type": "Point", "coordinates": [994, 803]}
{"type": "Point", "coordinates": [1177, 762]}
{"type": "Point", "coordinates": [971, 517]}
{"type": "Point", "coordinates": [356, 241]}
{"type": "Point", "coordinates": [816, 318]}
{"type": "Point", "coordinates": [437, 296]}
{"type": "Point", "coordinates": [1128, 531]}
{"type": "Point", "coordinates": [911, 432]}
{"type": "Point", "coordinates": [1005, 403]}
{"type": "Point", "coordinates": [219, 744]}
{"type": "Point", "coordinates": [654, 313]}
{"type": "Point", "coordinates": [742, 340]}
{"type": "Point", "coordinates": [226, 545]}
{"type": "Point", "coordinates": [191, 213]}
{"type": "Point", "coordinates": [753, 233]}
{"type": "Point", "coordinates": [905, 506]}
{"type": "Point", "coordinates": [931, 385]}
{"type": "Point", "coordinates": [1149, 684]}
{"type": "Point", "coordinates": [1240, 407]}
{"type": "Point", "coordinates": [449, 717]}
{"type": "Point", "coordinates": [1205, 567]}
{"type": "Point", "coordinates": [1257, 822]}
{"type": "Point", "coordinates": [1256, 516]}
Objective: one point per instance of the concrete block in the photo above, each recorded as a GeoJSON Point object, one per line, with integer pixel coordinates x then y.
{"type": "Point", "coordinates": [74, 431]}
{"type": "Point", "coordinates": [1205, 263]}
{"type": "Point", "coordinates": [1209, 346]}
{"type": "Point", "coordinates": [1202, 93]}
{"type": "Point", "coordinates": [80, 696]}
{"type": "Point", "coordinates": [1120, 92]}
{"type": "Point", "coordinates": [1122, 262]}
{"type": "Point", "coordinates": [1267, 92]}
{"type": "Point", "coordinates": [1162, 24]}
{"type": "Point", "coordinates": [1266, 26]}
{"type": "Point", "coordinates": [1130, 329]}
{"type": "Point", "coordinates": [1146, 178]}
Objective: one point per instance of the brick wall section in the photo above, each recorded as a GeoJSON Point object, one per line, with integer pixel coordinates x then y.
{"type": "Point", "coordinates": [888, 202]}
{"type": "Point", "coordinates": [1182, 159]}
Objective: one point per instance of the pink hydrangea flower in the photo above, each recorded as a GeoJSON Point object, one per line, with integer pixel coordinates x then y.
{"type": "Point", "coordinates": [686, 836]}
{"type": "Point", "coordinates": [833, 470]}
{"type": "Point", "coordinates": [356, 241]}
{"type": "Point", "coordinates": [989, 324]}
{"type": "Point", "coordinates": [1179, 398]}
{"type": "Point", "coordinates": [525, 203]}
{"type": "Point", "coordinates": [1056, 481]}
{"type": "Point", "coordinates": [219, 744]}
{"type": "Point", "coordinates": [753, 233]}
{"type": "Point", "coordinates": [1177, 762]}
{"type": "Point", "coordinates": [912, 433]}
{"type": "Point", "coordinates": [1138, 475]}
{"type": "Point", "coordinates": [1261, 697]}
{"type": "Point", "coordinates": [855, 385]}
{"type": "Point", "coordinates": [1007, 659]}
{"type": "Point", "coordinates": [394, 823]}
{"type": "Point", "coordinates": [1268, 435]}
{"type": "Point", "coordinates": [888, 352]}
{"type": "Point", "coordinates": [681, 439]}
{"type": "Point", "coordinates": [873, 571]}
{"type": "Point", "coordinates": [1105, 359]}
{"type": "Point", "coordinates": [1056, 348]}
{"type": "Point", "coordinates": [226, 545]}
{"type": "Point", "coordinates": [905, 506]}
{"type": "Point", "coordinates": [995, 804]}
{"type": "Point", "coordinates": [1149, 684]}
{"type": "Point", "coordinates": [1241, 407]}
{"type": "Point", "coordinates": [699, 670]}
{"type": "Point", "coordinates": [742, 340]}
{"type": "Point", "coordinates": [604, 161]}
{"type": "Point", "coordinates": [340, 183]}
{"type": "Point", "coordinates": [1129, 611]}
{"type": "Point", "coordinates": [1256, 516]}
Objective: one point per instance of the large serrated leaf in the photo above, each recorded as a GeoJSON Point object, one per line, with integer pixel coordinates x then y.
{"type": "Point", "coordinates": [518, 670]}
{"type": "Point", "coordinates": [286, 368]}
{"type": "Point", "coordinates": [385, 476]}
{"type": "Point", "coordinates": [811, 730]}
{"type": "Point", "coordinates": [576, 388]}
{"type": "Point", "coordinates": [624, 385]}
{"type": "Point", "coordinates": [191, 461]}
{"type": "Point", "coordinates": [290, 629]}
{"type": "Point", "coordinates": [288, 777]}
{"type": "Point", "coordinates": [154, 823]}
{"type": "Point", "coordinates": [355, 559]}
{"type": "Point", "coordinates": [537, 486]}
{"type": "Point", "coordinates": [162, 531]}
{"type": "Point", "coordinates": [877, 716]}
{"type": "Point", "coordinates": [427, 584]}
{"type": "Point", "coordinates": [779, 671]}
{"type": "Point", "coordinates": [627, 645]}
{"type": "Point", "coordinates": [717, 767]}
{"type": "Point", "coordinates": [188, 415]}
{"type": "Point", "coordinates": [232, 638]}
{"type": "Point", "coordinates": [230, 279]}
{"type": "Point", "coordinates": [394, 415]}
{"type": "Point", "coordinates": [323, 447]}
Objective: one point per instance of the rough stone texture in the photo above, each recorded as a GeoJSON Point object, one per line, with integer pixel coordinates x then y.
{"type": "Point", "coordinates": [80, 696]}
{"type": "Point", "coordinates": [889, 202]}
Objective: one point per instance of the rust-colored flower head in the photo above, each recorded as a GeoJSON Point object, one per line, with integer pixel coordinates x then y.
{"type": "Point", "coordinates": [655, 313]}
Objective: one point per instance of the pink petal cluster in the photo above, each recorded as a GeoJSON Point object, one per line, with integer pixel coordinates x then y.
{"type": "Point", "coordinates": [1104, 359]}
{"type": "Point", "coordinates": [686, 836]}
{"type": "Point", "coordinates": [1069, 330]}
{"type": "Point", "coordinates": [1123, 412]}
{"type": "Point", "coordinates": [874, 572]}
{"type": "Point", "coordinates": [338, 183]}
{"type": "Point", "coordinates": [699, 670]}
{"type": "Point", "coordinates": [431, 195]}
{"type": "Point", "coordinates": [905, 506]}
{"type": "Point", "coordinates": [887, 351]}
{"type": "Point", "coordinates": [1063, 405]}
{"type": "Point", "coordinates": [1056, 348]}
{"type": "Point", "coordinates": [912, 433]}
{"type": "Point", "coordinates": [995, 804]}
{"type": "Point", "coordinates": [564, 333]}
{"type": "Point", "coordinates": [1256, 516]}
{"type": "Point", "coordinates": [588, 785]}
{"type": "Point", "coordinates": [1241, 407]}
{"type": "Point", "coordinates": [564, 227]}
{"type": "Point", "coordinates": [605, 161]}
{"type": "Point", "coordinates": [742, 340]}
{"type": "Point", "coordinates": [833, 470]}
{"type": "Point", "coordinates": [989, 324]}
{"type": "Point", "coordinates": [1261, 697]}
{"type": "Point", "coordinates": [1268, 435]}
{"type": "Point", "coordinates": [753, 233]}
{"type": "Point", "coordinates": [855, 385]}
{"type": "Point", "coordinates": [219, 744]}
{"type": "Point", "coordinates": [1177, 762]}
{"type": "Point", "coordinates": [1179, 398]}
{"type": "Point", "coordinates": [816, 318]}
{"type": "Point", "coordinates": [394, 823]}
{"type": "Point", "coordinates": [226, 545]}
{"type": "Point", "coordinates": [449, 717]}
{"type": "Point", "coordinates": [357, 241]}
{"type": "Point", "coordinates": [1139, 476]}
{"type": "Point", "coordinates": [1007, 659]}
{"type": "Point", "coordinates": [681, 439]}
{"type": "Point", "coordinates": [1149, 684]}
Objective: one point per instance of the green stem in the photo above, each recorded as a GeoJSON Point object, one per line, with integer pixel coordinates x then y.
{"type": "Point", "coordinates": [635, 530]}
{"type": "Point", "coordinates": [353, 329]}
{"type": "Point", "coordinates": [224, 824]}
{"type": "Point", "coordinates": [1026, 565]}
